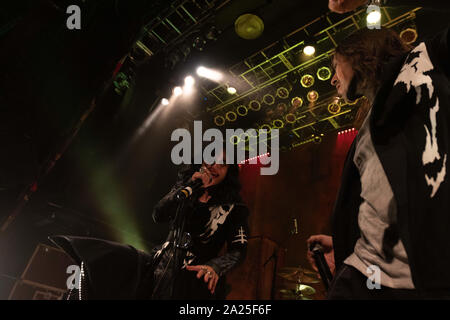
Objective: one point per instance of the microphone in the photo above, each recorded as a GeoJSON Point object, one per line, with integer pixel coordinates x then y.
{"type": "Point", "coordinates": [190, 189]}
{"type": "Point", "coordinates": [321, 263]}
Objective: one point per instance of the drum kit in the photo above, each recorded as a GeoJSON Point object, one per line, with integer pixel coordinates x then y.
{"type": "Point", "coordinates": [297, 281]}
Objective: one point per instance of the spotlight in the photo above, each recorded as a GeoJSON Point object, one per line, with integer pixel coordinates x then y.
{"type": "Point", "coordinates": [309, 46]}
{"type": "Point", "coordinates": [312, 96]}
{"type": "Point", "coordinates": [374, 15]}
{"type": "Point", "coordinates": [278, 124]}
{"type": "Point", "coordinates": [282, 93]}
{"type": "Point", "coordinates": [219, 121]}
{"type": "Point", "coordinates": [232, 90]}
{"type": "Point", "coordinates": [165, 102]}
{"type": "Point", "coordinates": [189, 81]}
{"type": "Point", "coordinates": [254, 105]}
{"type": "Point", "coordinates": [209, 74]}
{"type": "Point", "coordinates": [266, 127]}
{"type": "Point", "coordinates": [242, 110]}
{"type": "Point", "coordinates": [297, 102]}
{"type": "Point", "coordinates": [290, 118]}
{"type": "Point", "coordinates": [309, 50]}
{"type": "Point", "coordinates": [324, 73]}
{"type": "Point", "coordinates": [249, 26]}
{"type": "Point", "coordinates": [317, 140]}
{"type": "Point", "coordinates": [307, 81]}
{"type": "Point", "coordinates": [231, 116]}
{"type": "Point", "coordinates": [177, 91]}
{"type": "Point", "coordinates": [199, 43]}
{"type": "Point", "coordinates": [269, 99]}
{"type": "Point", "coordinates": [212, 33]}
{"type": "Point", "coordinates": [409, 35]}
{"type": "Point", "coordinates": [334, 108]}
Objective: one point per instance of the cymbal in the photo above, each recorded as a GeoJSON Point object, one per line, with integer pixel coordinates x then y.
{"type": "Point", "coordinates": [299, 275]}
{"type": "Point", "coordinates": [302, 292]}
{"type": "Point", "coordinates": [298, 269]}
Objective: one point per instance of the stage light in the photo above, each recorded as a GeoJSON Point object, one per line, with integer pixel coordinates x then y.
{"type": "Point", "coordinates": [324, 73]}
{"type": "Point", "coordinates": [242, 110]}
{"type": "Point", "coordinates": [232, 90]}
{"type": "Point", "coordinates": [199, 43]}
{"type": "Point", "coordinates": [235, 139]}
{"type": "Point", "coordinates": [374, 15]}
{"type": "Point", "coordinates": [266, 127]}
{"type": "Point", "coordinates": [254, 105]}
{"type": "Point", "coordinates": [177, 91]}
{"type": "Point", "coordinates": [290, 118]}
{"type": "Point", "coordinates": [309, 44]}
{"type": "Point", "coordinates": [189, 81]}
{"type": "Point", "coordinates": [165, 102]}
{"type": "Point", "coordinates": [347, 131]}
{"type": "Point", "coordinates": [209, 74]}
{"type": "Point", "coordinates": [244, 137]}
{"type": "Point", "coordinates": [212, 33]}
{"type": "Point", "coordinates": [312, 96]}
{"type": "Point", "coordinates": [278, 124]}
{"type": "Point", "coordinates": [282, 93]}
{"type": "Point", "coordinates": [219, 121]}
{"type": "Point", "coordinates": [269, 99]}
{"type": "Point", "coordinates": [282, 107]}
{"type": "Point", "coordinates": [409, 35]}
{"type": "Point", "coordinates": [249, 26]}
{"type": "Point", "coordinates": [307, 81]}
{"type": "Point", "coordinates": [231, 116]}
{"type": "Point", "coordinates": [258, 157]}
{"type": "Point", "coordinates": [297, 102]}
{"type": "Point", "coordinates": [334, 108]}
{"type": "Point", "coordinates": [309, 50]}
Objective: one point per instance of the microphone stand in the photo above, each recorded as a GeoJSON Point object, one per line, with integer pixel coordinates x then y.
{"type": "Point", "coordinates": [275, 257]}
{"type": "Point", "coordinates": [178, 227]}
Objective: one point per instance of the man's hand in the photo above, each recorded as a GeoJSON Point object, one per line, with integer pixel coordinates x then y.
{"type": "Point", "coordinates": [208, 274]}
{"type": "Point", "coordinates": [327, 244]}
{"type": "Point", "coordinates": [343, 6]}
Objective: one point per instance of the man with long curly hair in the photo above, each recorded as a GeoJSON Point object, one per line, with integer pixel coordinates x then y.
{"type": "Point", "coordinates": [391, 217]}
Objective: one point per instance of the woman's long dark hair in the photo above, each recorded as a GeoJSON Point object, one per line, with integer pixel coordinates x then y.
{"type": "Point", "coordinates": [226, 192]}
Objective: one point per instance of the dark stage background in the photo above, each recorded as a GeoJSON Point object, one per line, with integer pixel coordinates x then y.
{"type": "Point", "coordinates": [105, 186]}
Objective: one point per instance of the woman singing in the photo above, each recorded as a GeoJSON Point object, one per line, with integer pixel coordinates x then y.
{"type": "Point", "coordinates": [188, 265]}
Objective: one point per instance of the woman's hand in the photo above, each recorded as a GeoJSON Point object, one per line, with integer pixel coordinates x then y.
{"type": "Point", "coordinates": [203, 175]}
{"type": "Point", "coordinates": [327, 245]}
{"type": "Point", "coordinates": [208, 274]}
{"type": "Point", "coordinates": [343, 6]}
